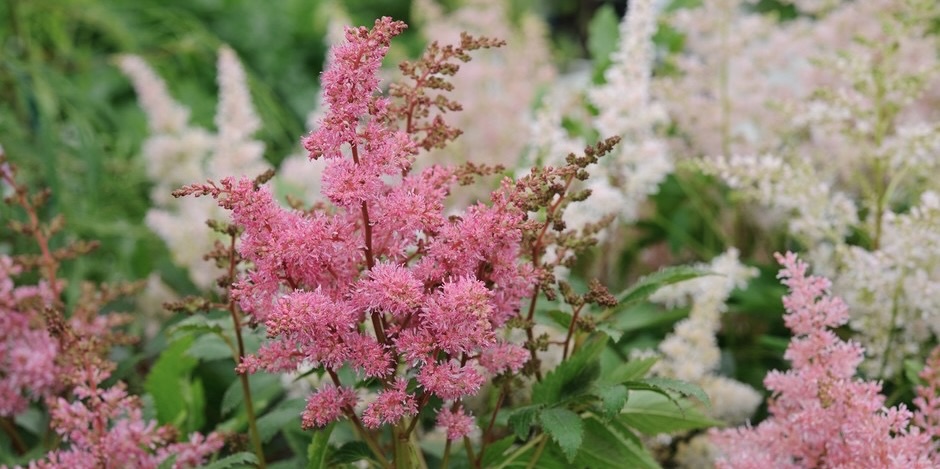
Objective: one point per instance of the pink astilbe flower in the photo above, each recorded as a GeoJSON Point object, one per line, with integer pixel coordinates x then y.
{"type": "Point", "coordinates": [327, 405]}
{"type": "Point", "coordinates": [821, 415]}
{"type": "Point", "coordinates": [504, 357]}
{"type": "Point", "coordinates": [104, 429]}
{"type": "Point", "coordinates": [457, 423]}
{"type": "Point", "coordinates": [383, 283]}
{"type": "Point", "coordinates": [927, 401]}
{"type": "Point", "coordinates": [449, 380]}
{"type": "Point", "coordinates": [391, 406]}
{"type": "Point", "coordinates": [27, 353]}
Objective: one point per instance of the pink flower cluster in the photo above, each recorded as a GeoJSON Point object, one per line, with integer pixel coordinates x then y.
{"type": "Point", "coordinates": [384, 282]}
{"type": "Point", "coordinates": [821, 414]}
{"type": "Point", "coordinates": [27, 352]}
{"type": "Point", "coordinates": [104, 429]}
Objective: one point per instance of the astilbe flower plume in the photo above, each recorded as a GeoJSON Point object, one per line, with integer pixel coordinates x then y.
{"type": "Point", "coordinates": [821, 414]}
{"type": "Point", "coordinates": [104, 428]}
{"type": "Point", "coordinates": [383, 282]}
{"type": "Point", "coordinates": [49, 350]}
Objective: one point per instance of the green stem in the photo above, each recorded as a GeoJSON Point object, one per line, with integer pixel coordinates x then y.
{"type": "Point", "coordinates": [246, 387]}
{"type": "Point", "coordinates": [10, 430]}
{"type": "Point", "coordinates": [538, 454]}
{"type": "Point", "coordinates": [446, 461]}
{"type": "Point", "coordinates": [522, 449]}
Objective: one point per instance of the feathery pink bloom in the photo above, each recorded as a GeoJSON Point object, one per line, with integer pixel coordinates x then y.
{"type": "Point", "coordinates": [327, 405]}
{"type": "Point", "coordinates": [821, 415]}
{"type": "Point", "coordinates": [391, 406]}
{"type": "Point", "coordinates": [457, 423]}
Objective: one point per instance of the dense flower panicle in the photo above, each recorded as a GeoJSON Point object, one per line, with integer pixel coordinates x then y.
{"type": "Point", "coordinates": [690, 353]}
{"type": "Point", "coordinates": [105, 429]}
{"type": "Point", "coordinates": [349, 86]}
{"type": "Point", "coordinates": [459, 317]}
{"type": "Point", "coordinates": [391, 406]}
{"type": "Point", "coordinates": [27, 353]}
{"type": "Point", "coordinates": [449, 380]}
{"type": "Point", "coordinates": [504, 357]}
{"type": "Point", "coordinates": [327, 405]}
{"type": "Point", "coordinates": [821, 415]}
{"type": "Point", "coordinates": [382, 282]}
{"type": "Point", "coordinates": [178, 153]}
{"type": "Point", "coordinates": [457, 423]}
{"type": "Point", "coordinates": [392, 289]}
{"type": "Point", "coordinates": [927, 401]}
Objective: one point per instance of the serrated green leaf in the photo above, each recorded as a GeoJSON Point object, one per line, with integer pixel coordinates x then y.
{"type": "Point", "coordinates": [319, 448]}
{"type": "Point", "coordinates": [243, 459]}
{"type": "Point", "coordinates": [607, 446]}
{"type": "Point", "coordinates": [350, 453]}
{"type": "Point", "coordinates": [565, 428]}
{"type": "Point", "coordinates": [681, 387]}
{"type": "Point", "coordinates": [653, 413]}
{"type": "Point", "coordinates": [613, 332]}
{"type": "Point", "coordinates": [210, 347]}
{"type": "Point", "coordinates": [286, 413]}
{"type": "Point", "coordinates": [646, 286]}
{"type": "Point", "coordinates": [573, 376]}
{"type": "Point", "coordinates": [168, 376]}
{"type": "Point", "coordinates": [632, 370]}
{"type": "Point", "coordinates": [197, 324]}
{"type": "Point", "coordinates": [612, 398]}
{"type": "Point", "coordinates": [521, 419]}
{"type": "Point", "coordinates": [496, 450]}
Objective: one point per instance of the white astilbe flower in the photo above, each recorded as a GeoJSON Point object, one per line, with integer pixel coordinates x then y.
{"type": "Point", "coordinates": [177, 153]}
{"type": "Point", "coordinates": [895, 290]}
{"type": "Point", "coordinates": [729, 74]}
{"type": "Point", "coordinates": [813, 210]}
{"type": "Point", "coordinates": [865, 140]}
{"type": "Point", "coordinates": [625, 178]}
{"type": "Point", "coordinates": [691, 352]}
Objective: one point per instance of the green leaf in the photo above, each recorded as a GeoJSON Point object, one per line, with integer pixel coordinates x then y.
{"type": "Point", "coordinates": [681, 387]}
{"type": "Point", "coordinates": [614, 333]}
{"type": "Point", "coordinates": [565, 428]}
{"type": "Point", "coordinates": [168, 378]}
{"type": "Point", "coordinates": [198, 324]}
{"type": "Point", "coordinates": [319, 448]}
{"type": "Point", "coordinates": [560, 317]}
{"type": "Point", "coordinates": [573, 376]}
{"type": "Point", "coordinates": [243, 459]}
{"type": "Point", "coordinates": [522, 418]}
{"type": "Point", "coordinates": [210, 347]}
{"type": "Point", "coordinates": [912, 369]}
{"type": "Point", "coordinates": [495, 451]}
{"type": "Point", "coordinates": [630, 371]}
{"type": "Point", "coordinates": [643, 316]}
{"type": "Point", "coordinates": [613, 399]}
{"type": "Point", "coordinates": [286, 413]}
{"type": "Point", "coordinates": [607, 446]}
{"type": "Point", "coordinates": [653, 413]}
{"type": "Point", "coordinates": [261, 385]}
{"type": "Point", "coordinates": [648, 285]}
{"type": "Point", "coordinates": [350, 453]}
